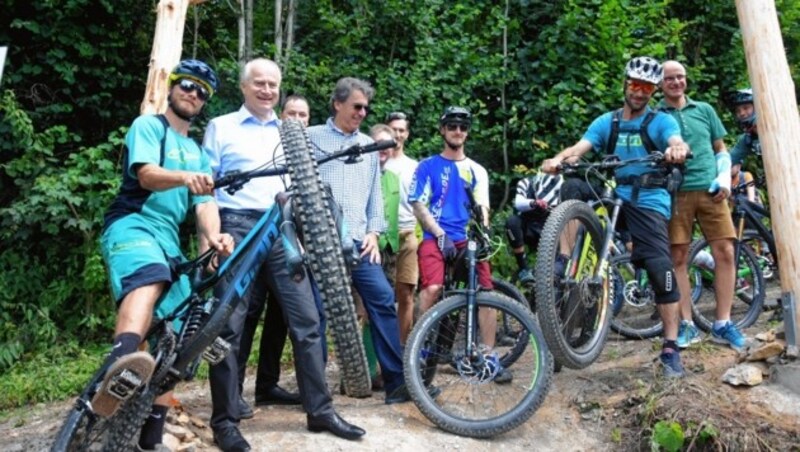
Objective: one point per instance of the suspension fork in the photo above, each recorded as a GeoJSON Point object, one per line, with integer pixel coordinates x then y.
{"type": "Point", "coordinates": [472, 290]}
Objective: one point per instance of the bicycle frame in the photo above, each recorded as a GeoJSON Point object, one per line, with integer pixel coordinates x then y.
{"type": "Point", "coordinates": [749, 213]}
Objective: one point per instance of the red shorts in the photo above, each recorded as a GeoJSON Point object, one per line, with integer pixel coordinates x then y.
{"type": "Point", "coordinates": [431, 265]}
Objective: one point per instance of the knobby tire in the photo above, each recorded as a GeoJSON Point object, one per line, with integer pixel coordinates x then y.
{"type": "Point", "coordinates": [565, 311]}
{"type": "Point", "coordinates": [747, 302]}
{"type": "Point", "coordinates": [462, 405]}
{"type": "Point", "coordinates": [324, 255]}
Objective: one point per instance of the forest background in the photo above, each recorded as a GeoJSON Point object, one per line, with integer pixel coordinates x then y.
{"type": "Point", "coordinates": [534, 73]}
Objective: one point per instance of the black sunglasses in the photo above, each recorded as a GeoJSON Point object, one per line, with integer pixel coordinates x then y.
{"type": "Point", "coordinates": [359, 107]}
{"type": "Point", "coordinates": [187, 86]}
{"type": "Point", "coordinates": [453, 126]}
{"type": "Point", "coordinates": [395, 115]}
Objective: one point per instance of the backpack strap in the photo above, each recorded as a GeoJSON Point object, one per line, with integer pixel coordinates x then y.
{"type": "Point", "coordinates": [611, 144]}
{"type": "Point", "coordinates": [647, 142]}
{"type": "Point", "coordinates": [164, 121]}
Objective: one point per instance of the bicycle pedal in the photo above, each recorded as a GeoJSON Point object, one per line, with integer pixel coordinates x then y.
{"type": "Point", "coordinates": [217, 351]}
{"type": "Point", "coordinates": [122, 386]}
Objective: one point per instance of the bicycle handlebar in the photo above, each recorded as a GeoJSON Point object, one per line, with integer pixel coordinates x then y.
{"type": "Point", "coordinates": [235, 180]}
{"type": "Point", "coordinates": [613, 162]}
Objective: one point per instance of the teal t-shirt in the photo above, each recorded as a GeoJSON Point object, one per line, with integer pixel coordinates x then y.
{"type": "Point", "coordinates": [163, 211]}
{"type": "Point", "coordinates": [630, 145]}
{"type": "Point", "coordinates": [748, 144]}
{"type": "Point", "coordinates": [700, 127]}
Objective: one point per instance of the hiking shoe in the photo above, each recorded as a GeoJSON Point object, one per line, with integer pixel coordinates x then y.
{"type": "Point", "coordinates": [671, 366]}
{"type": "Point", "coordinates": [123, 378]}
{"type": "Point", "coordinates": [729, 335]}
{"type": "Point", "coordinates": [687, 334]}
{"type": "Point", "coordinates": [525, 276]}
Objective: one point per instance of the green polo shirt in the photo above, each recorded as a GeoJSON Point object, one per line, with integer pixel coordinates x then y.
{"type": "Point", "coordinates": [700, 127]}
{"type": "Point", "coordinates": [390, 186]}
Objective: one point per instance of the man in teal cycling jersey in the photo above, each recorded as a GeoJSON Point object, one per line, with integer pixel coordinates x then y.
{"type": "Point", "coordinates": [645, 216]}
{"type": "Point", "coordinates": [165, 177]}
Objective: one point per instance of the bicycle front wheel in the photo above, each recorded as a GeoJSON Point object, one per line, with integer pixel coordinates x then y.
{"type": "Point", "coordinates": [324, 254]}
{"type": "Point", "coordinates": [456, 389]}
{"type": "Point", "coordinates": [634, 313]}
{"type": "Point", "coordinates": [508, 333]}
{"type": "Point", "coordinates": [572, 306]}
{"type": "Point", "coordinates": [749, 288]}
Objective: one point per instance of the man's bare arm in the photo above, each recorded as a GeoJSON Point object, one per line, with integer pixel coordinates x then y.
{"type": "Point", "coordinates": [426, 219]}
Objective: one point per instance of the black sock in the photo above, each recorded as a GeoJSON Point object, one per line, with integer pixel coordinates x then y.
{"type": "Point", "coordinates": [673, 345]}
{"type": "Point", "coordinates": [153, 428]}
{"type": "Point", "coordinates": [124, 344]}
{"type": "Point", "coordinates": [522, 260]}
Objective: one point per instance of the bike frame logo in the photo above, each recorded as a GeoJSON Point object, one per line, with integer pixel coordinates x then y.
{"type": "Point", "coordinates": [263, 248]}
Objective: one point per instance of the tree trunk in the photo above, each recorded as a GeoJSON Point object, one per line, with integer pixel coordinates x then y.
{"type": "Point", "coordinates": [287, 54]}
{"type": "Point", "coordinates": [505, 114]}
{"type": "Point", "coordinates": [167, 48]}
{"type": "Point", "coordinates": [242, 44]}
{"type": "Point", "coordinates": [278, 30]}
{"type": "Point", "coordinates": [779, 132]}
{"type": "Point", "coordinates": [248, 30]}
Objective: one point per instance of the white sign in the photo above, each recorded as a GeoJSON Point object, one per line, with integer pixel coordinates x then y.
{"type": "Point", "coordinates": [3, 51]}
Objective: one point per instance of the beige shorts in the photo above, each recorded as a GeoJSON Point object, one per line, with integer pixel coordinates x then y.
{"type": "Point", "coordinates": [407, 266]}
{"type": "Point", "coordinates": [714, 218]}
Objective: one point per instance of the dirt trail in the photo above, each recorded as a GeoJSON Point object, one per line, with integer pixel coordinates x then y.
{"type": "Point", "coordinates": [598, 408]}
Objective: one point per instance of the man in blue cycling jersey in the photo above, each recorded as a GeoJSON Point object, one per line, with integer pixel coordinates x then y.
{"type": "Point", "coordinates": [646, 214]}
{"type": "Point", "coordinates": [438, 196]}
{"type": "Point", "coordinates": [165, 177]}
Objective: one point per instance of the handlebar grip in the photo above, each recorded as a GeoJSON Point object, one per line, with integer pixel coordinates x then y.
{"type": "Point", "coordinates": [379, 146]}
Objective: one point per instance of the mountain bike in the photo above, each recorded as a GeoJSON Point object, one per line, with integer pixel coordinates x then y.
{"type": "Point", "coordinates": [574, 278]}
{"type": "Point", "coordinates": [449, 374]}
{"type": "Point", "coordinates": [179, 340]}
{"type": "Point", "coordinates": [750, 286]}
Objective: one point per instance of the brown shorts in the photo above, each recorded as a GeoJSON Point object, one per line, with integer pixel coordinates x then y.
{"type": "Point", "coordinates": [714, 218]}
{"type": "Point", "coordinates": [407, 267]}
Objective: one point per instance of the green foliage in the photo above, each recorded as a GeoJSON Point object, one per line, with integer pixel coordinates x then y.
{"type": "Point", "coordinates": [668, 436]}
{"type": "Point", "coordinates": [56, 374]}
{"type": "Point", "coordinates": [55, 279]}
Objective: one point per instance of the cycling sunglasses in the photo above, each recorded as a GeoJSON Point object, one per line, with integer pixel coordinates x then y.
{"type": "Point", "coordinates": [187, 86]}
{"type": "Point", "coordinates": [451, 127]}
{"type": "Point", "coordinates": [644, 87]}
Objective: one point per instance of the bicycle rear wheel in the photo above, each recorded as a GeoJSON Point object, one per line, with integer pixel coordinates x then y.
{"type": "Point", "coordinates": [749, 294]}
{"type": "Point", "coordinates": [634, 313]}
{"type": "Point", "coordinates": [467, 402]}
{"type": "Point", "coordinates": [84, 430]}
{"type": "Point", "coordinates": [571, 306]}
{"type": "Point", "coordinates": [324, 254]}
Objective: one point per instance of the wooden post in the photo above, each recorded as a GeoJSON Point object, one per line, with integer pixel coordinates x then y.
{"type": "Point", "coordinates": [167, 48]}
{"type": "Point", "coordinates": [3, 51]}
{"type": "Point", "coordinates": [779, 132]}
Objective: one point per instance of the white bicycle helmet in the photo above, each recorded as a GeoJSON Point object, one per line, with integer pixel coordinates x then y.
{"type": "Point", "coordinates": [645, 69]}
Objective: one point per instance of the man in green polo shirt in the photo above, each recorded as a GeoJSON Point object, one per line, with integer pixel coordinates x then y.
{"type": "Point", "coordinates": [702, 196]}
